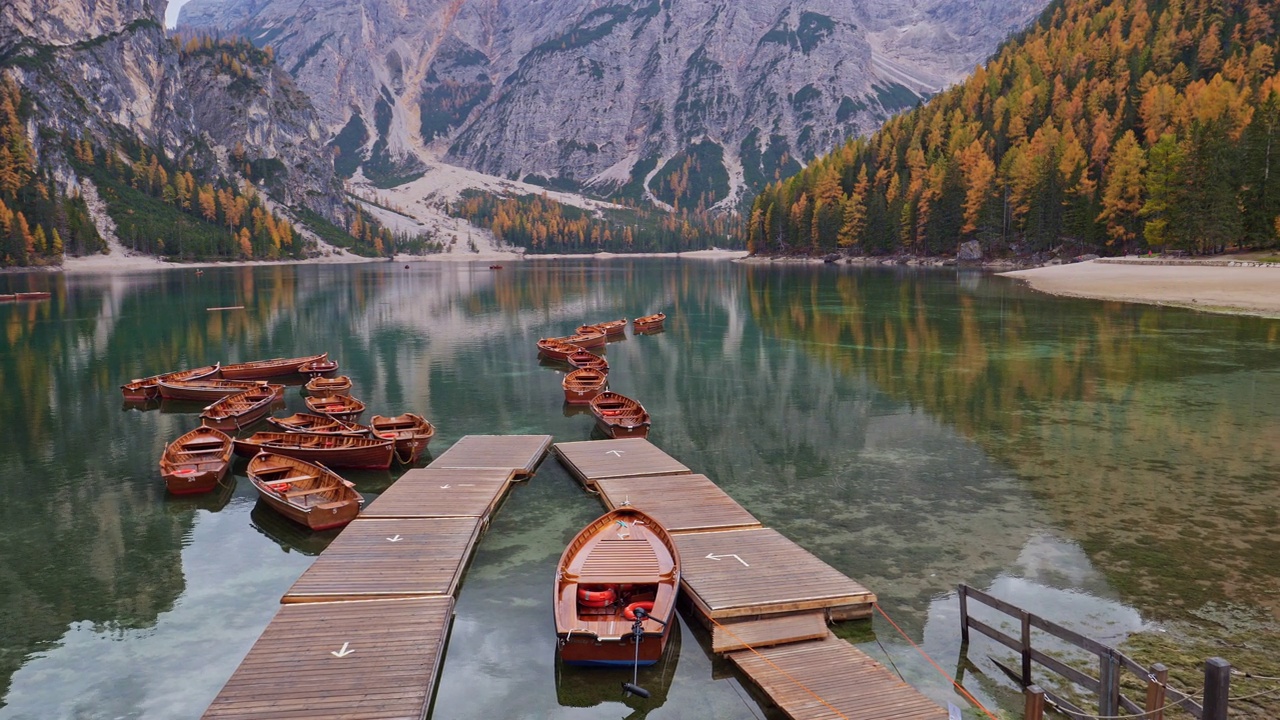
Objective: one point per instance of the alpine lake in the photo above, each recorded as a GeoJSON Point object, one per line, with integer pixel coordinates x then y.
{"type": "Point", "coordinates": [1110, 467]}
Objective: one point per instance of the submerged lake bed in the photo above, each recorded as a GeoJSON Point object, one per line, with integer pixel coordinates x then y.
{"type": "Point", "coordinates": [1110, 467]}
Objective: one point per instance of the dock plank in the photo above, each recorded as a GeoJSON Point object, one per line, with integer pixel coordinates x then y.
{"type": "Point", "coordinates": [798, 677]}
{"type": "Point", "coordinates": [394, 557]}
{"type": "Point", "coordinates": [520, 454]}
{"type": "Point", "coordinates": [428, 493]}
{"type": "Point", "coordinates": [389, 670]}
{"type": "Point", "coordinates": [682, 503]}
{"type": "Point", "coordinates": [742, 573]}
{"type": "Point", "coordinates": [593, 460]}
{"type": "Point", "coordinates": [729, 635]}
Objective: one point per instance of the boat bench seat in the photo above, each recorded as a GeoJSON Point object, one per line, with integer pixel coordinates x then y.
{"type": "Point", "coordinates": [302, 493]}
{"type": "Point", "coordinates": [292, 479]}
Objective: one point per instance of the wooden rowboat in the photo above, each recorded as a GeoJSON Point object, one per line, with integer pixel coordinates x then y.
{"type": "Point", "coordinates": [649, 323]}
{"type": "Point", "coordinates": [587, 359]}
{"type": "Point", "coordinates": [338, 407]}
{"type": "Point", "coordinates": [320, 385]}
{"type": "Point", "coordinates": [149, 388]}
{"type": "Point", "coordinates": [318, 425]}
{"type": "Point", "coordinates": [32, 296]}
{"type": "Point", "coordinates": [331, 450]}
{"type": "Point", "coordinates": [312, 496]}
{"type": "Point", "coordinates": [411, 433]}
{"type": "Point", "coordinates": [611, 328]}
{"type": "Point", "coordinates": [622, 563]}
{"type": "Point", "coordinates": [263, 369]}
{"type": "Point", "coordinates": [556, 349]}
{"type": "Point", "coordinates": [196, 462]}
{"type": "Point", "coordinates": [581, 385]}
{"type": "Point", "coordinates": [205, 391]}
{"type": "Point", "coordinates": [593, 337]}
{"type": "Point", "coordinates": [242, 409]}
{"type": "Point", "coordinates": [8, 297]}
{"type": "Point", "coordinates": [314, 368]}
{"type": "Point", "coordinates": [619, 416]}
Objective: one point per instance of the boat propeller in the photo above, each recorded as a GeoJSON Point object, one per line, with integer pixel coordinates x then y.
{"type": "Point", "coordinates": [637, 633]}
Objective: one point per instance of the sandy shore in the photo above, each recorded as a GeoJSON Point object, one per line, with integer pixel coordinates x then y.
{"type": "Point", "coordinates": [1212, 288]}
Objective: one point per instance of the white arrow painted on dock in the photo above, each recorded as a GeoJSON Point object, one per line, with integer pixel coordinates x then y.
{"type": "Point", "coordinates": [615, 453]}
{"type": "Point", "coordinates": [713, 556]}
{"type": "Point", "coordinates": [343, 652]}
{"type": "Point", "coordinates": [397, 538]}
{"type": "Point", "coordinates": [445, 487]}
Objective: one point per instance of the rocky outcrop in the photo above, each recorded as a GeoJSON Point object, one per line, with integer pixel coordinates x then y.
{"type": "Point", "coordinates": [107, 70]}
{"type": "Point", "coordinates": [680, 102]}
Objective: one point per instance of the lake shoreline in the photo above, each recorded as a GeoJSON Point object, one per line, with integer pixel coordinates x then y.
{"type": "Point", "coordinates": [1244, 288]}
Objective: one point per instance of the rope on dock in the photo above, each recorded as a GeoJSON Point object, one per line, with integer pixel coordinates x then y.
{"type": "Point", "coordinates": [782, 672]}
{"type": "Point", "coordinates": [958, 686]}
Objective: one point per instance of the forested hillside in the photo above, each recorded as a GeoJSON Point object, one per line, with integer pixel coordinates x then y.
{"type": "Point", "coordinates": [1114, 125]}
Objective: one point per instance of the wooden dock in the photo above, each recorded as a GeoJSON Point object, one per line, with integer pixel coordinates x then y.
{"type": "Point", "coordinates": [593, 460]}
{"type": "Point", "coordinates": [766, 600]}
{"type": "Point", "coordinates": [831, 679]}
{"type": "Point", "coordinates": [373, 658]}
{"type": "Point", "coordinates": [362, 631]}
{"type": "Point", "coordinates": [520, 454]}
{"type": "Point", "coordinates": [682, 503]}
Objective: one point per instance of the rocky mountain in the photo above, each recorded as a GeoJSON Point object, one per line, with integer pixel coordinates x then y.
{"type": "Point", "coordinates": [108, 72]}
{"type": "Point", "coordinates": [683, 102]}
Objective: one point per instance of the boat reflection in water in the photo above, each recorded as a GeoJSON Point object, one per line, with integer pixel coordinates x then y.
{"type": "Point", "coordinates": [290, 536]}
{"type": "Point", "coordinates": [212, 501]}
{"type": "Point", "coordinates": [584, 687]}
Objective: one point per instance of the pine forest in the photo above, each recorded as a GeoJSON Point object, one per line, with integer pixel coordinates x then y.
{"type": "Point", "coordinates": [1111, 126]}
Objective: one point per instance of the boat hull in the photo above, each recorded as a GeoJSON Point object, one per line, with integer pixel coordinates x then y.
{"type": "Point", "coordinates": [411, 433]}
{"type": "Point", "coordinates": [586, 650]}
{"type": "Point", "coordinates": [315, 519]}
{"type": "Point", "coordinates": [327, 450]}
{"type": "Point", "coordinates": [617, 432]}
{"type": "Point", "coordinates": [266, 369]}
{"type": "Point", "coordinates": [260, 403]}
{"type": "Point", "coordinates": [309, 495]}
{"type": "Point", "coordinates": [148, 388]}
{"type": "Point", "coordinates": [181, 390]}
{"type": "Point", "coordinates": [179, 483]}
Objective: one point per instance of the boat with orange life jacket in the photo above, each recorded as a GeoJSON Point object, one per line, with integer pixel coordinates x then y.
{"type": "Point", "coordinates": [615, 591]}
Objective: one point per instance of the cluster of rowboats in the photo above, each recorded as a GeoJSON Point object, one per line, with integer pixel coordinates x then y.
{"type": "Point", "coordinates": [616, 415]}
{"type": "Point", "coordinates": [289, 466]}
{"type": "Point", "coordinates": [617, 581]}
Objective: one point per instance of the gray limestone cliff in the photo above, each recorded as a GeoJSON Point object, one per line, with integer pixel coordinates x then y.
{"type": "Point", "coordinates": [674, 100]}
{"type": "Point", "coordinates": [108, 70]}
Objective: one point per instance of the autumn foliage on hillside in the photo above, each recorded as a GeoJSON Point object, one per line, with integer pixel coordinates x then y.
{"type": "Point", "coordinates": [1118, 125]}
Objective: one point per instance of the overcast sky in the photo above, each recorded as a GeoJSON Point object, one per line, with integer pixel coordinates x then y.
{"type": "Point", "coordinates": [171, 14]}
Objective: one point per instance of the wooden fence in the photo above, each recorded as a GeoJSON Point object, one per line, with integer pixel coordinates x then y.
{"type": "Point", "coordinates": [1111, 662]}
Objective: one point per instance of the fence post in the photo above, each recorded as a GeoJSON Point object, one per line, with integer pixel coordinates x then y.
{"type": "Point", "coordinates": [1157, 678]}
{"type": "Point", "coordinates": [1217, 688]}
{"type": "Point", "coordinates": [963, 591]}
{"type": "Point", "coordinates": [1034, 709]}
{"type": "Point", "coordinates": [1109, 685]}
{"type": "Point", "coordinates": [1026, 648]}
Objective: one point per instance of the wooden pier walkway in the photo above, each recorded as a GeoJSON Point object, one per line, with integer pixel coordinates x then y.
{"type": "Point", "coordinates": [766, 600]}
{"type": "Point", "coordinates": [362, 631]}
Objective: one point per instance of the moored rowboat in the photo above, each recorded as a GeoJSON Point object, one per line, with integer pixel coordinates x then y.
{"type": "Point", "coordinates": [619, 416]}
{"type": "Point", "coordinates": [236, 411]}
{"type": "Point", "coordinates": [411, 433]}
{"type": "Point", "coordinates": [320, 385]}
{"type": "Point", "coordinates": [556, 349]}
{"type": "Point", "coordinates": [323, 366]}
{"type": "Point", "coordinates": [318, 425]}
{"type": "Point", "coordinates": [310, 495]}
{"type": "Point", "coordinates": [331, 450]}
{"type": "Point", "coordinates": [581, 385]}
{"type": "Point", "coordinates": [32, 296]}
{"type": "Point", "coordinates": [649, 323]}
{"type": "Point", "coordinates": [205, 390]}
{"type": "Point", "coordinates": [610, 328]}
{"type": "Point", "coordinates": [149, 388]}
{"type": "Point", "coordinates": [263, 369]}
{"type": "Point", "coordinates": [338, 407]}
{"type": "Point", "coordinates": [621, 564]}
{"type": "Point", "coordinates": [196, 462]}
{"type": "Point", "coordinates": [587, 359]}
{"type": "Point", "coordinates": [592, 337]}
